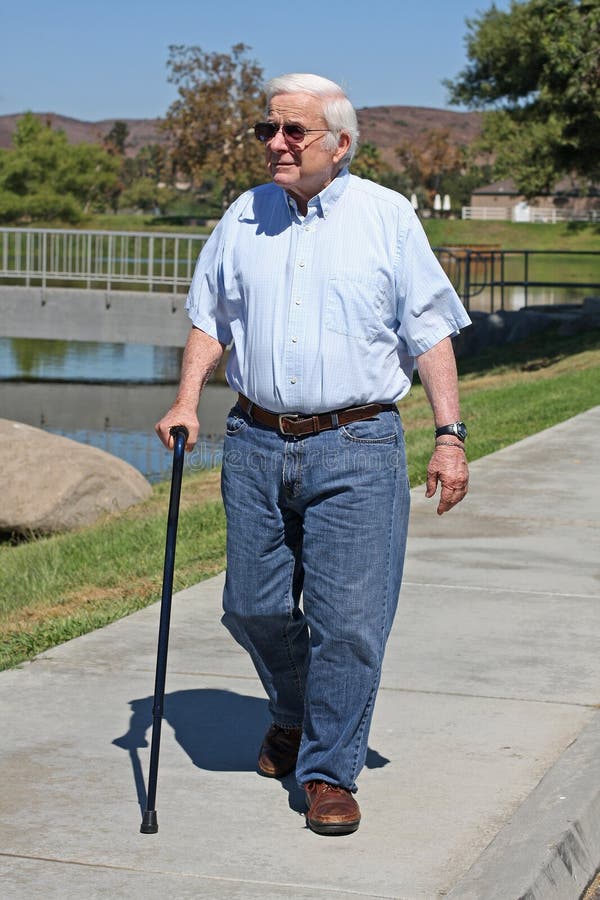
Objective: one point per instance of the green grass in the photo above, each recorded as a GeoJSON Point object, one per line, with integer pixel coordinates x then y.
{"type": "Point", "coordinates": [53, 589]}
{"type": "Point", "coordinates": [513, 235]}
{"type": "Point", "coordinates": [138, 222]}
{"type": "Point", "coordinates": [511, 392]}
{"type": "Point", "coordinates": [123, 222]}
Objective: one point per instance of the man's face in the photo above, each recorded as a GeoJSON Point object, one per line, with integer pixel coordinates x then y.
{"type": "Point", "coordinates": [303, 169]}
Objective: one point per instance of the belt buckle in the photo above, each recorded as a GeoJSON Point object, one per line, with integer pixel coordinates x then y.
{"type": "Point", "coordinates": [293, 416]}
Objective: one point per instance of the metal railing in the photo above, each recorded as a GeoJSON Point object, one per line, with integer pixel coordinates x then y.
{"type": "Point", "coordinates": [474, 271]}
{"type": "Point", "coordinates": [108, 260]}
{"type": "Point", "coordinates": [164, 262]}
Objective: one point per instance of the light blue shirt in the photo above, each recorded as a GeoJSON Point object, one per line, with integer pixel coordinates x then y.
{"type": "Point", "coordinates": [327, 310]}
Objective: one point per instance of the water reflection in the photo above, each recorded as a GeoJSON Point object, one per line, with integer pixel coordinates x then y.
{"type": "Point", "coordinates": [108, 396]}
{"type": "Point", "coordinates": [88, 361]}
{"type": "Point", "coordinates": [518, 297]}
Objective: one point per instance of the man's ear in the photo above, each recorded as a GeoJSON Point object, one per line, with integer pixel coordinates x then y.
{"type": "Point", "coordinates": [343, 146]}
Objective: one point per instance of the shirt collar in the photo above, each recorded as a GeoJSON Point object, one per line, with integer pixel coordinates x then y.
{"type": "Point", "coordinates": [324, 201]}
{"type": "Point", "coordinates": [330, 195]}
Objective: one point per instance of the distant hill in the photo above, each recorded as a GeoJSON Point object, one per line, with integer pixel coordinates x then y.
{"type": "Point", "coordinates": [384, 126]}
{"type": "Point", "coordinates": [389, 126]}
{"type": "Point", "coordinates": [141, 131]}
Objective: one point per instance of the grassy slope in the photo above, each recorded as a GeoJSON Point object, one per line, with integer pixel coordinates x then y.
{"type": "Point", "coordinates": [514, 236]}
{"type": "Point", "coordinates": [55, 588]}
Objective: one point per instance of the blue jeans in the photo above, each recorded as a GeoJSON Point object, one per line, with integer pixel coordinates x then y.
{"type": "Point", "coordinates": [316, 533]}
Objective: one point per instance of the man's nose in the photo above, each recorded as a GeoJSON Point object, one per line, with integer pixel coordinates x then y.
{"type": "Point", "coordinates": [277, 142]}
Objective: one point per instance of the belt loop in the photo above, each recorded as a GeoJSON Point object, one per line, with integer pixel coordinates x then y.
{"type": "Point", "coordinates": [334, 420]}
{"type": "Point", "coordinates": [316, 425]}
{"type": "Point", "coordinates": [246, 404]}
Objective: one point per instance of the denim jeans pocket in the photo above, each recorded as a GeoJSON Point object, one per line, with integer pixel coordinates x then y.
{"type": "Point", "coordinates": [381, 429]}
{"type": "Point", "coordinates": [236, 421]}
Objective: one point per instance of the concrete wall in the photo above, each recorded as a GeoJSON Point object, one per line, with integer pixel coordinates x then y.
{"type": "Point", "coordinates": [97, 407]}
{"type": "Point", "coordinates": [72, 314]}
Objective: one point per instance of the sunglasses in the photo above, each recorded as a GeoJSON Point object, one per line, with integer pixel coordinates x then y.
{"type": "Point", "coordinates": [266, 131]}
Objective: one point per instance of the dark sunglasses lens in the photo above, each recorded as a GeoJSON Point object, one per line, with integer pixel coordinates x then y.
{"type": "Point", "coordinates": [294, 132]}
{"type": "Point", "coordinates": [264, 131]}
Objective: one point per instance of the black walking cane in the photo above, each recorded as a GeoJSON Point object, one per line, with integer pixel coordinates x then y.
{"type": "Point", "coordinates": [180, 434]}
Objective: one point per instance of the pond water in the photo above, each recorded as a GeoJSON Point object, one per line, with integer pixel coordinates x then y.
{"type": "Point", "coordinates": [108, 396]}
{"type": "Point", "coordinates": [516, 297]}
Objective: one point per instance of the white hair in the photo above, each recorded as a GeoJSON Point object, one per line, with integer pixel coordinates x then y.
{"type": "Point", "coordinates": [338, 112]}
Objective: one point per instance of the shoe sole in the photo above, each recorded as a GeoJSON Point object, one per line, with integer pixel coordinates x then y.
{"type": "Point", "coordinates": [267, 774]}
{"type": "Point", "coordinates": [341, 828]}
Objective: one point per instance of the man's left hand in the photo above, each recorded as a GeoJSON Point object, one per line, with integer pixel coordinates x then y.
{"type": "Point", "coordinates": [448, 466]}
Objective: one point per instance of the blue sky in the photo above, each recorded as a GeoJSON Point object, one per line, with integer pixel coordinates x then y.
{"type": "Point", "coordinates": [108, 60]}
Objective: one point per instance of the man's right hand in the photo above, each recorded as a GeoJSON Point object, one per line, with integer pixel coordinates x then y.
{"type": "Point", "coordinates": [178, 415]}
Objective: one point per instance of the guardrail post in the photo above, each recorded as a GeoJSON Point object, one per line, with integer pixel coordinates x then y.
{"type": "Point", "coordinates": [28, 260]}
{"type": "Point", "coordinates": [175, 264]}
{"type": "Point", "coordinates": [150, 262]}
{"type": "Point", "coordinates": [109, 260]}
{"type": "Point", "coordinates": [88, 241]}
{"type": "Point", "coordinates": [44, 259]}
{"type": "Point", "coordinates": [468, 277]}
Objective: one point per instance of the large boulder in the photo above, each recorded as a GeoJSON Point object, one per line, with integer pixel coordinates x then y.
{"type": "Point", "coordinates": [50, 483]}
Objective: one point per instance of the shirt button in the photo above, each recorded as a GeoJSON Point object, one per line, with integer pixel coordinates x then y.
{"type": "Point", "coordinates": [294, 340]}
{"type": "Point", "coordinates": [293, 380]}
{"type": "Point", "coordinates": [298, 302]}
{"type": "Point", "coordinates": [301, 263]}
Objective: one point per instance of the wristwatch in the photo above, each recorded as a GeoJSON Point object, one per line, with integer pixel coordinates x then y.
{"type": "Point", "coordinates": [458, 429]}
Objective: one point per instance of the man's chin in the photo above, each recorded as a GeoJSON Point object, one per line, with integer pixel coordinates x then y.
{"type": "Point", "coordinates": [283, 173]}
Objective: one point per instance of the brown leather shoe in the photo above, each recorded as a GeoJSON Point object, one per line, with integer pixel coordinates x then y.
{"type": "Point", "coordinates": [331, 809]}
{"type": "Point", "coordinates": [279, 751]}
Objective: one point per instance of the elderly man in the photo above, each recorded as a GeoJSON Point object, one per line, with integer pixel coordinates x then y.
{"type": "Point", "coordinates": [328, 292]}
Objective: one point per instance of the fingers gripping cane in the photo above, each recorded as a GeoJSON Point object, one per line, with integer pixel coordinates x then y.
{"type": "Point", "coordinates": [180, 434]}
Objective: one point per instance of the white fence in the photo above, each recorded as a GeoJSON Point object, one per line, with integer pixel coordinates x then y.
{"type": "Point", "coordinates": [489, 213]}
{"type": "Point", "coordinates": [545, 214]}
{"type": "Point", "coordinates": [157, 262]}
{"type": "Point", "coordinates": [551, 215]}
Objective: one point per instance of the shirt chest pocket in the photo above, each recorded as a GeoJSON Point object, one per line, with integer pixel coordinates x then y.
{"type": "Point", "coordinates": [353, 306]}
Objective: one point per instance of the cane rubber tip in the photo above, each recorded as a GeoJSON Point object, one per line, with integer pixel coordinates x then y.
{"type": "Point", "coordinates": [149, 822]}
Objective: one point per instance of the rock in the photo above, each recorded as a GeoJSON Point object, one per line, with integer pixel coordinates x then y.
{"type": "Point", "coordinates": [511, 326]}
{"type": "Point", "coordinates": [499, 328]}
{"type": "Point", "coordinates": [51, 484]}
{"type": "Point", "coordinates": [591, 312]}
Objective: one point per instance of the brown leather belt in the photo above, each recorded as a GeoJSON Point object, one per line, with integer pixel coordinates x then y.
{"type": "Point", "coordinates": [300, 425]}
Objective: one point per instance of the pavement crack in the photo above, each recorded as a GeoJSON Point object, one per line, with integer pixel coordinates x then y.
{"type": "Point", "coordinates": [471, 696]}
{"type": "Point", "coordinates": [343, 892]}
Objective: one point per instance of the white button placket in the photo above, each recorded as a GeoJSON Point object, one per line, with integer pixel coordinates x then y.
{"type": "Point", "coordinates": [296, 325]}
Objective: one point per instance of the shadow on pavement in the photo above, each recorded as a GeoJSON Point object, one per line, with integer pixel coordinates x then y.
{"type": "Point", "coordinates": [219, 730]}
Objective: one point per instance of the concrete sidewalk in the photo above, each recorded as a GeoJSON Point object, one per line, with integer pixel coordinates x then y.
{"type": "Point", "coordinates": [483, 775]}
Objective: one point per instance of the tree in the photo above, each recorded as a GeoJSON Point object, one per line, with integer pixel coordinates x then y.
{"type": "Point", "coordinates": [210, 124]}
{"type": "Point", "coordinates": [538, 66]}
{"type": "Point", "coordinates": [367, 163]}
{"type": "Point", "coordinates": [150, 162]}
{"type": "Point", "coordinates": [91, 175]}
{"type": "Point", "coordinates": [431, 158]}
{"type": "Point", "coordinates": [147, 195]}
{"type": "Point", "coordinates": [115, 140]}
{"type": "Point", "coordinates": [45, 177]}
